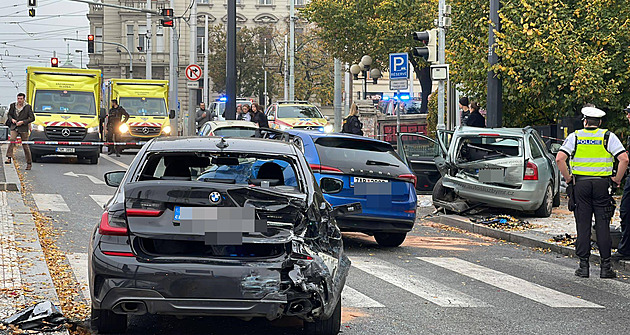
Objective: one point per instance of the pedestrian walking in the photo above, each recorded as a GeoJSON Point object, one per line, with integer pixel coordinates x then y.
{"type": "Point", "coordinates": [475, 119]}
{"type": "Point", "coordinates": [259, 116]}
{"type": "Point", "coordinates": [116, 116]}
{"type": "Point", "coordinates": [623, 249]}
{"type": "Point", "coordinates": [19, 121]}
{"type": "Point", "coordinates": [464, 110]}
{"type": "Point", "coordinates": [592, 151]}
{"type": "Point", "coordinates": [203, 115]}
{"type": "Point", "coordinates": [351, 124]}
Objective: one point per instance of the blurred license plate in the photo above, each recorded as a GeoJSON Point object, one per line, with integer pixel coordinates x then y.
{"type": "Point", "coordinates": [367, 180]}
{"type": "Point", "coordinates": [491, 175]}
{"type": "Point", "coordinates": [65, 150]}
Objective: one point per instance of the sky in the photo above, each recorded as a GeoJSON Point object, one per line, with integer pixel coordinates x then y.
{"type": "Point", "coordinates": [26, 41]}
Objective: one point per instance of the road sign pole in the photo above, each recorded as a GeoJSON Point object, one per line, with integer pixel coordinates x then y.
{"type": "Point", "coordinates": [192, 92]}
{"type": "Point", "coordinates": [441, 60]}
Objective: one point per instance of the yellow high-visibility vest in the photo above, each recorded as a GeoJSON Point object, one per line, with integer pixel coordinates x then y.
{"type": "Point", "coordinates": [591, 157]}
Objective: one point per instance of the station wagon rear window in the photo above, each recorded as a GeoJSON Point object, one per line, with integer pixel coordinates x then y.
{"type": "Point", "coordinates": [477, 148]}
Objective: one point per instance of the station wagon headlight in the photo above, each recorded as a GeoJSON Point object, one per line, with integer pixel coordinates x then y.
{"type": "Point", "coordinates": [328, 128]}
{"type": "Point", "coordinates": [37, 127]}
{"type": "Point", "coordinates": [167, 130]}
{"type": "Point", "coordinates": [123, 128]}
{"type": "Point", "coordinates": [92, 130]}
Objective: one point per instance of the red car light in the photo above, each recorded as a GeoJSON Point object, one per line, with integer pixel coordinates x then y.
{"type": "Point", "coordinates": [143, 212]}
{"type": "Point", "coordinates": [531, 171]}
{"type": "Point", "coordinates": [105, 228]}
{"type": "Point", "coordinates": [114, 253]}
{"type": "Point", "coordinates": [409, 177]}
{"type": "Point", "coordinates": [322, 168]}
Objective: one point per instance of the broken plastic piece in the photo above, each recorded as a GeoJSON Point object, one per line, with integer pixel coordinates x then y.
{"type": "Point", "coordinates": [42, 317]}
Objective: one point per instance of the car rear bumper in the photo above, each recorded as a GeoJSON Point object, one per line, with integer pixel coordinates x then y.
{"type": "Point", "coordinates": [374, 225]}
{"type": "Point", "coordinates": [527, 198]}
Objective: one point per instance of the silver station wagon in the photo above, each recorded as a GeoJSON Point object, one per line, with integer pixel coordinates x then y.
{"type": "Point", "coordinates": [494, 167]}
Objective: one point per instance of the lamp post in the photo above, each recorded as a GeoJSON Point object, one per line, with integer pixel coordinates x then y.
{"type": "Point", "coordinates": [363, 67]}
{"type": "Point", "coordinates": [80, 51]}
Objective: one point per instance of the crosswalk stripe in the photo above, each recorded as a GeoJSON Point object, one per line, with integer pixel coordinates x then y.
{"type": "Point", "coordinates": [411, 282]}
{"type": "Point", "coordinates": [611, 286]}
{"type": "Point", "coordinates": [50, 202]}
{"type": "Point", "coordinates": [79, 264]}
{"type": "Point", "coordinates": [353, 298]}
{"type": "Point", "coordinates": [510, 283]}
{"type": "Point", "coordinates": [101, 200]}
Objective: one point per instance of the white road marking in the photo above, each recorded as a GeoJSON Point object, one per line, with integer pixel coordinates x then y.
{"type": "Point", "coordinates": [79, 264]}
{"type": "Point", "coordinates": [115, 161]}
{"type": "Point", "coordinates": [101, 200]}
{"type": "Point", "coordinates": [91, 178]}
{"type": "Point", "coordinates": [353, 298]}
{"type": "Point", "coordinates": [538, 293]}
{"type": "Point", "coordinates": [50, 202]}
{"type": "Point", "coordinates": [411, 282]}
{"type": "Point", "coordinates": [611, 286]}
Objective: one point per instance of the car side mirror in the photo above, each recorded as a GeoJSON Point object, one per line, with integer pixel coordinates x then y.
{"type": "Point", "coordinates": [347, 209]}
{"type": "Point", "coordinates": [114, 178]}
{"type": "Point", "coordinates": [331, 185]}
{"type": "Point", "coordinates": [554, 148]}
{"type": "Point", "coordinates": [171, 114]}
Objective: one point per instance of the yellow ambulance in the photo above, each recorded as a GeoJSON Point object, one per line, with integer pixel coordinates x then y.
{"type": "Point", "coordinates": [146, 101]}
{"type": "Point", "coordinates": [65, 104]}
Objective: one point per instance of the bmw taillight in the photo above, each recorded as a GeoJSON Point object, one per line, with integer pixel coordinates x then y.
{"type": "Point", "coordinates": [531, 171]}
{"type": "Point", "coordinates": [324, 169]}
{"type": "Point", "coordinates": [113, 223]}
{"type": "Point", "coordinates": [144, 212]}
{"type": "Point", "coordinates": [409, 177]}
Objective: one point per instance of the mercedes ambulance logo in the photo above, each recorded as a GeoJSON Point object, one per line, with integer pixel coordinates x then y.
{"type": "Point", "coordinates": [215, 197]}
{"type": "Point", "coordinates": [65, 117]}
{"type": "Point", "coordinates": [145, 130]}
{"type": "Point", "coordinates": [65, 132]}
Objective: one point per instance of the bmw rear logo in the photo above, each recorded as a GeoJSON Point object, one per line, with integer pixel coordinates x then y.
{"type": "Point", "coordinates": [215, 197]}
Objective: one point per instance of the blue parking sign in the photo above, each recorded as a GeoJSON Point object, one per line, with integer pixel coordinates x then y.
{"type": "Point", "coordinates": [398, 66]}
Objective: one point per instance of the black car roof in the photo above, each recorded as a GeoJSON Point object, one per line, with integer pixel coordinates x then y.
{"type": "Point", "coordinates": [194, 143]}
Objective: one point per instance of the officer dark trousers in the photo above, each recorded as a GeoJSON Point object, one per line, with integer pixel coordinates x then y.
{"type": "Point", "coordinates": [592, 197]}
{"type": "Point", "coordinates": [624, 214]}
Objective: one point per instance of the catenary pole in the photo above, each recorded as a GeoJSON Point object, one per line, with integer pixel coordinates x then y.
{"type": "Point", "coordinates": [205, 63]}
{"type": "Point", "coordinates": [337, 98]}
{"type": "Point", "coordinates": [292, 51]}
{"type": "Point", "coordinates": [495, 85]}
{"type": "Point", "coordinates": [148, 68]}
{"type": "Point", "coordinates": [230, 82]}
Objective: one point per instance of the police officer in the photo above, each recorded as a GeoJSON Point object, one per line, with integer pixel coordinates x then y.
{"type": "Point", "coordinates": [592, 151]}
{"type": "Point", "coordinates": [623, 250]}
{"type": "Point", "coordinates": [116, 116]}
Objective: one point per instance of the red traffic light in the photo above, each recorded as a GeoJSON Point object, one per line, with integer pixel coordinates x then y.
{"type": "Point", "coordinates": [90, 37]}
{"type": "Point", "coordinates": [167, 23]}
{"type": "Point", "coordinates": [167, 12]}
{"type": "Point", "coordinates": [54, 62]}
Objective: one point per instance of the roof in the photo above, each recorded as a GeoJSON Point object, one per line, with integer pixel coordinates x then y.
{"type": "Point", "coordinates": [208, 144]}
{"type": "Point", "coordinates": [232, 123]}
{"type": "Point", "coordinates": [315, 134]}
{"type": "Point", "coordinates": [464, 130]}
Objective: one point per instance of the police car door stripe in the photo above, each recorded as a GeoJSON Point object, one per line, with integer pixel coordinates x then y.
{"type": "Point", "coordinates": [510, 283]}
{"type": "Point", "coordinates": [101, 200]}
{"type": "Point", "coordinates": [353, 298]}
{"type": "Point", "coordinates": [79, 264]}
{"type": "Point", "coordinates": [411, 282]}
{"type": "Point", "coordinates": [50, 202]}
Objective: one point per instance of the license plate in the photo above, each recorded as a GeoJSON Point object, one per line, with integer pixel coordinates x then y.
{"type": "Point", "coordinates": [65, 150]}
{"type": "Point", "coordinates": [367, 180]}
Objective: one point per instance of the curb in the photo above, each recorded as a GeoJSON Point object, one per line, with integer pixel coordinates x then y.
{"type": "Point", "coordinates": [526, 238]}
{"type": "Point", "coordinates": [12, 181]}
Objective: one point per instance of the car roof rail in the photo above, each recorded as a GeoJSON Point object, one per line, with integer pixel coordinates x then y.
{"type": "Point", "coordinates": [272, 134]}
{"type": "Point", "coordinates": [292, 102]}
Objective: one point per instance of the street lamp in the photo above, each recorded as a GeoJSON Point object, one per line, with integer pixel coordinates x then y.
{"type": "Point", "coordinates": [80, 51]}
{"type": "Point", "coordinates": [363, 67]}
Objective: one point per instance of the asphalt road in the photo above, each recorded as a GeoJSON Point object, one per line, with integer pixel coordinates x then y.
{"type": "Point", "coordinates": [441, 281]}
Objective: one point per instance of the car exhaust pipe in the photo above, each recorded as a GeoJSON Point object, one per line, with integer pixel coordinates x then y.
{"type": "Point", "coordinates": [299, 307]}
{"type": "Point", "coordinates": [131, 307]}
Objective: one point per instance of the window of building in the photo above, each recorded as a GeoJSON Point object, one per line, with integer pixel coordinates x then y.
{"type": "Point", "coordinates": [265, 2]}
{"type": "Point", "coordinates": [142, 34]}
{"type": "Point", "coordinates": [159, 39]}
{"type": "Point", "coordinates": [299, 2]}
{"type": "Point", "coordinates": [203, 1]}
{"type": "Point", "coordinates": [98, 36]}
{"type": "Point", "coordinates": [200, 38]}
{"type": "Point", "coordinates": [130, 37]}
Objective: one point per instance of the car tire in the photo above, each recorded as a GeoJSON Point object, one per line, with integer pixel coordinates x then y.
{"type": "Point", "coordinates": [390, 240]}
{"type": "Point", "coordinates": [36, 158]}
{"type": "Point", "coordinates": [108, 322]}
{"type": "Point", "coordinates": [544, 211]}
{"type": "Point", "coordinates": [330, 326]}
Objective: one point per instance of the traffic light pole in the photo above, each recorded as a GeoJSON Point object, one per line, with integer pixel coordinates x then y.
{"type": "Point", "coordinates": [441, 60]}
{"type": "Point", "coordinates": [112, 43]}
{"type": "Point", "coordinates": [172, 75]}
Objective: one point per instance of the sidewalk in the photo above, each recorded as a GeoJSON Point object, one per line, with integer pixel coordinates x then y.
{"type": "Point", "coordinates": [25, 276]}
{"type": "Point", "coordinates": [560, 222]}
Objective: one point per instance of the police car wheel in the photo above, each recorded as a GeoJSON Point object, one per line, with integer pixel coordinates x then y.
{"type": "Point", "coordinates": [544, 211]}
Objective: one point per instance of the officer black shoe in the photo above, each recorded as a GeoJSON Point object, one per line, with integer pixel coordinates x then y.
{"type": "Point", "coordinates": [117, 154]}
{"type": "Point", "coordinates": [617, 256]}
{"type": "Point", "coordinates": [606, 269]}
{"type": "Point", "coordinates": [582, 271]}
{"type": "Point", "coordinates": [109, 153]}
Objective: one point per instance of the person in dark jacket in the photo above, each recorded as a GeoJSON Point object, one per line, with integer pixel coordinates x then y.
{"type": "Point", "coordinates": [475, 119]}
{"type": "Point", "coordinates": [351, 124]}
{"type": "Point", "coordinates": [117, 115]}
{"type": "Point", "coordinates": [203, 115]}
{"type": "Point", "coordinates": [19, 121]}
{"type": "Point", "coordinates": [259, 116]}
{"type": "Point", "coordinates": [465, 110]}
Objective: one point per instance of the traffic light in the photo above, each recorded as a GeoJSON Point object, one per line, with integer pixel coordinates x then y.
{"type": "Point", "coordinates": [31, 3]}
{"type": "Point", "coordinates": [31, 12]}
{"type": "Point", "coordinates": [90, 44]}
{"type": "Point", "coordinates": [167, 12]}
{"type": "Point", "coordinates": [429, 51]}
{"type": "Point", "coordinates": [54, 62]}
{"type": "Point", "coordinates": [167, 22]}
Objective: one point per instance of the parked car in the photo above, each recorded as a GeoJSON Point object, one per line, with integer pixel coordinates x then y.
{"type": "Point", "coordinates": [495, 167]}
{"type": "Point", "coordinates": [351, 168]}
{"type": "Point", "coordinates": [284, 115]}
{"type": "Point", "coordinates": [178, 239]}
{"type": "Point", "coordinates": [229, 128]}
{"type": "Point", "coordinates": [218, 107]}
